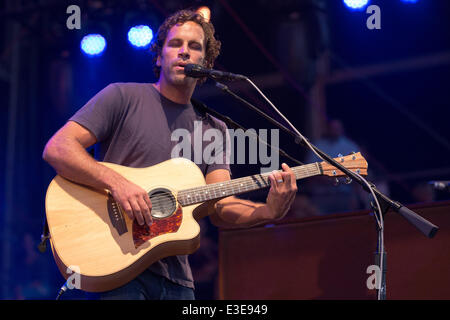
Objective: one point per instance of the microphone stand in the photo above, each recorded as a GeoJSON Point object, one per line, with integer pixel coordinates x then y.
{"type": "Point", "coordinates": [385, 203]}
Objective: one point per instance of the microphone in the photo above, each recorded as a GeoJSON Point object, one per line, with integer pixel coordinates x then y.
{"type": "Point", "coordinates": [197, 71]}
{"type": "Point", "coordinates": [440, 185]}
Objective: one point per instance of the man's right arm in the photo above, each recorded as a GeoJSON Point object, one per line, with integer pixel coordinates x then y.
{"type": "Point", "coordinates": [66, 153]}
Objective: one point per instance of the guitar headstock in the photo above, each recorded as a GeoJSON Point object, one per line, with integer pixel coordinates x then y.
{"type": "Point", "coordinates": [354, 162]}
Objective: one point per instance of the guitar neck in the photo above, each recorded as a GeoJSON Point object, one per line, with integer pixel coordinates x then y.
{"type": "Point", "coordinates": [241, 185]}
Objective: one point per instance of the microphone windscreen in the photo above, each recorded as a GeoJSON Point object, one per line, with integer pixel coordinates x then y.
{"type": "Point", "coordinates": [194, 70]}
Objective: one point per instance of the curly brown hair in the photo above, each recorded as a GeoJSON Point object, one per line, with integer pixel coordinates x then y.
{"type": "Point", "coordinates": [212, 46]}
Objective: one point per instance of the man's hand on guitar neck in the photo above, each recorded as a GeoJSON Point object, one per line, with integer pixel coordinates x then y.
{"type": "Point", "coordinates": [283, 188]}
{"type": "Point", "coordinates": [233, 212]}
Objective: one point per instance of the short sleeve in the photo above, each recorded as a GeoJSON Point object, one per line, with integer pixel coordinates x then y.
{"type": "Point", "coordinates": [102, 112]}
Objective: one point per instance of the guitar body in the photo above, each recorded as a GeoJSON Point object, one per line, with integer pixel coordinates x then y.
{"type": "Point", "coordinates": [97, 244]}
{"type": "Point", "coordinates": [91, 237]}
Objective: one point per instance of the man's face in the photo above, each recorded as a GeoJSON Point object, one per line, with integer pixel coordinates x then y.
{"type": "Point", "coordinates": [184, 44]}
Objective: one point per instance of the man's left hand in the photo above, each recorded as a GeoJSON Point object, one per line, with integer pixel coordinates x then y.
{"type": "Point", "coordinates": [282, 192]}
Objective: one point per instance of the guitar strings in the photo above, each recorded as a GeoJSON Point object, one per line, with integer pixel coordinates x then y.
{"type": "Point", "coordinates": [230, 186]}
{"type": "Point", "coordinates": [241, 183]}
{"type": "Point", "coordinates": [226, 187]}
{"type": "Point", "coordinates": [199, 193]}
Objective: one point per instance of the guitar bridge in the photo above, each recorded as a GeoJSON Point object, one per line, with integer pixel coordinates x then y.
{"type": "Point", "coordinates": [115, 215]}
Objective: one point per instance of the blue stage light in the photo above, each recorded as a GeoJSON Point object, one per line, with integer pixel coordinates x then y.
{"type": "Point", "coordinates": [140, 36]}
{"type": "Point", "coordinates": [356, 4]}
{"type": "Point", "coordinates": [411, 1]}
{"type": "Point", "coordinates": [93, 44]}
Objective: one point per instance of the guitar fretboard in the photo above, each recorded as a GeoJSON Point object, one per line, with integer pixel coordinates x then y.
{"type": "Point", "coordinates": [238, 186]}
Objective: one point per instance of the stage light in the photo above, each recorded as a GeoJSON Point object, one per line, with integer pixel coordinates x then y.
{"type": "Point", "coordinates": [93, 44]}
{"type": "Point", "coordinates": [205, 12]}
{"type": "Point", "coordinates": [410, 1]}
{"type": "Point", "coordinates": [356, 4]}
{"type": "Point", "coordinates": [140, 36]}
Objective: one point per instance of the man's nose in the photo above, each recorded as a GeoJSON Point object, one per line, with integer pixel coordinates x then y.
{"type": "Point", "coordinates": [184, 52]}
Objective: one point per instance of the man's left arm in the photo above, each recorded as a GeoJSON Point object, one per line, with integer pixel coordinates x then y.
{"type": "Point", "coordinates": [232, 212]}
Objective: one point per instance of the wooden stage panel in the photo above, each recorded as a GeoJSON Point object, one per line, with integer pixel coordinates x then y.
{"type": "Point", "coordinates": [327, 258]}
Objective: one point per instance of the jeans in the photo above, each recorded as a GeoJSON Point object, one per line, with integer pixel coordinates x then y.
{"type": "Point", "coordinates": [147, 286]}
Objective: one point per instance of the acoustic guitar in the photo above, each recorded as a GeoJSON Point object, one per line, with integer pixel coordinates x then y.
{"type": "Point", "coordinates": [90, 235]}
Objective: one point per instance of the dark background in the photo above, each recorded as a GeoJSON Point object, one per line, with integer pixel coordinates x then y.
{"type": "Point", "coordinates": [398, 116]}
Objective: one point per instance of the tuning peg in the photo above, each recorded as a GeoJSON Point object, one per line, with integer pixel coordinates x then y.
{"type": "Point", "coordinates": [341, 156]}
{"type": "Point", "coordinates": [348, 180]}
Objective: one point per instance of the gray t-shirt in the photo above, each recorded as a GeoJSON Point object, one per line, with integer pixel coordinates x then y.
{"type": "Point", "coordinates": [133, 124]}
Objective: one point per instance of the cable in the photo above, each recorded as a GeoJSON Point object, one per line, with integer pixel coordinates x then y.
{"type": "Point", "coordinates": [62, 291]}
{"type": "Point", "coordinates": [379, 218]}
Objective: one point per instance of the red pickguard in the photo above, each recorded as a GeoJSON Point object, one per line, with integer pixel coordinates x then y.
{"type": "Point", "coordinates": [143, 233]}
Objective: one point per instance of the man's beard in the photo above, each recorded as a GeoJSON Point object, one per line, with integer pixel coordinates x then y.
{"type": "Point", "coordinates": [179, 79]}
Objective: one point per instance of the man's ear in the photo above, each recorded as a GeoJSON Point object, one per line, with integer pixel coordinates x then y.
{"type": "Point", "coordinates": [158, 61]}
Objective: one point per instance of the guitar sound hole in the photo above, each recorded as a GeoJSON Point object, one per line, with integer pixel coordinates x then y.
{"type": "Point", "coordinates": [163, 203]}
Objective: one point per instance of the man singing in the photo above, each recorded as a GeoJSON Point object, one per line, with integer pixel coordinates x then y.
{"type": "Point", "coordinates": [133, 122]}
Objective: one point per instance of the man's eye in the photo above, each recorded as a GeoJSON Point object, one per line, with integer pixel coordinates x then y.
{"type": "Point", "coordinates": [174, 43]}
{"type": "Point", "coordinates": [196, 46]}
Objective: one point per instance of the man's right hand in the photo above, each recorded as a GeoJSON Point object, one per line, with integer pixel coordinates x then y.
{"type": "Point", "coordinates": [134, 201]}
